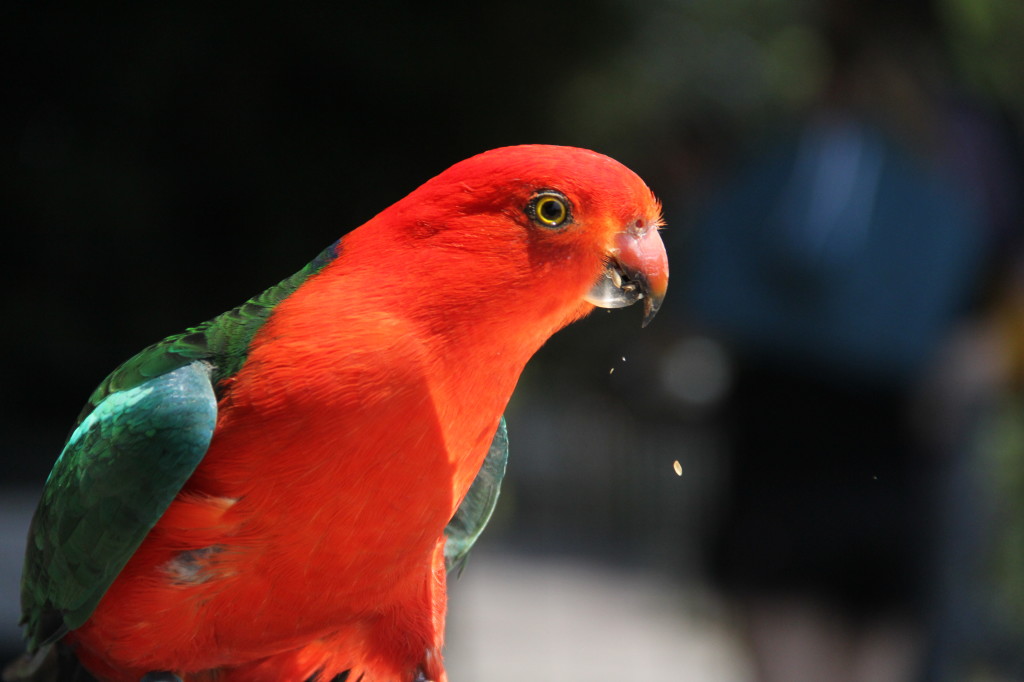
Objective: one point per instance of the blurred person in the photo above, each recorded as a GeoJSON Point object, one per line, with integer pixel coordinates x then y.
{"type": "Point", "coordinates": [835, 266]}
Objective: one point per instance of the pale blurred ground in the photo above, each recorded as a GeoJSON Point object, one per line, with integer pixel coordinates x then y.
{"type": "Point", "coordinates": [16, 506]}
{"type": "Point", "coordinates": [514, 618]}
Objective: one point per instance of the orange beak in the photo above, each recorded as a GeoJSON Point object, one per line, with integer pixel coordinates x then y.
{"type": "Point", "coordinates": [637, 268]}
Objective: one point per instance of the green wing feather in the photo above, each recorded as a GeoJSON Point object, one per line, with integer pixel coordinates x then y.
{"type": "Point", "coordinates": [472, 516]}
{"type": "Point", "coordinates": [224, 339]}
{"type": "Point", "coordinates": [119, 471]}
{"type": "Point", "coordinates": [138, 439]}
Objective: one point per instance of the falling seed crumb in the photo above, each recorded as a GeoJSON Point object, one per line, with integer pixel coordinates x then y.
{"type": "Point", "coordinates": [677, 467]}
{"type": "Point", "coordinates": [612, 370]}
{"type": "Point", "coordinates": [623, 358]}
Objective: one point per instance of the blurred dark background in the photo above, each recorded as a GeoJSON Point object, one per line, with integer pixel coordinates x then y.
{"type": "Point", "coordinates": [164, 162]}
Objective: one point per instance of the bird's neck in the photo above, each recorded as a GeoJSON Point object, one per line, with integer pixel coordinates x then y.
{"type": "Point", "coordinates": [371, 366]}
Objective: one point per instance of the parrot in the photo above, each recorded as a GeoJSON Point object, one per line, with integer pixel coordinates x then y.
{"type": "Point", "coordinates": [277, 494]}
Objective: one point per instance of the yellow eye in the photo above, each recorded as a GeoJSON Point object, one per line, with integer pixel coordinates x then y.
{"type": "Point", "coordinates": [549, 209]}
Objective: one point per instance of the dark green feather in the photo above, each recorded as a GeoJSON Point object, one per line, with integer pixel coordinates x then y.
{"type": "Point", "coordinates": [475, 511]}
{"type": "Point", "coordinates": [225, 339]}
{"type": "Point", "coordinates": [119, 471]}
{"type": "Point", "coordinates": [135, 444]}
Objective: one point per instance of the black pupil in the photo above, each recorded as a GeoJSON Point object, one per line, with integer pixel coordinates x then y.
{"type": "Point", "coordinates": [551, 210]}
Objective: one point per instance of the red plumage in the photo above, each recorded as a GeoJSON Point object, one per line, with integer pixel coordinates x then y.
{"type": "Point", "coordinates": [355, 427]}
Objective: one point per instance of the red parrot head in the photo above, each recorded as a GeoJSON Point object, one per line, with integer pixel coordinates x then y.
{"type": "Point", "coordinates": [532, 234]}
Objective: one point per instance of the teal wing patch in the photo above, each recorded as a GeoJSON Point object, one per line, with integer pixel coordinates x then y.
{"type": "Point", "coordinates": [118, 473]}
{"type": "Point", "coordinates": [472, 516]}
